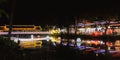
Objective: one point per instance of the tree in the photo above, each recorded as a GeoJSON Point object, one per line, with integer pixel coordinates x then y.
{"type": "Point", "coordinates": [3, 12]}
{"type": "Point", "coordinates": [8, 49]}
{"type": "Point", "coordinates": [2, 1]}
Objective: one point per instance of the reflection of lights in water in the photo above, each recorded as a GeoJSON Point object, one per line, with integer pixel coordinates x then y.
{"type": "Point", "coordinates": [96, 54]}
{"type": "Point", "coordinates": [117, 48]}
{"type": "Point", "coordinates": [38, 36]}
{"type": "Point", "coordinates": [108, 26]}
{"type": "Point", "coordinates": [102, 42]}
{"type": "Point", "coordinates": [48, 38]}
{"type": "Point", "coordinates": [92, 41]}
{"type": "Point", "coordinates": [58, 41]}
{"type": "Point", "coordinates": [71, 44]}
{"type": "Point", "coordinates": [64, 44]}
{"type": "Point", "coordinates": [96, 42]}
{"type": "Point", "coordinates": [83, 41]}
{"type": "Point", "coordinates": [59, 38]}
{"type": "Point", "coordinates": [78, 41]}
{"type": "Point", "coordinates": [88, 42]}
{"type": "Point", "coordinates": [31, 36]}
{"type": "Point", "coordinates": [54, 44]}
{"type": "Point", "coordinates": [100, 51]}
{"type": "Point", "coordinates": [103, 51]}
{"type": "Point", "coordinates": [108, 48]}
{"type": "Point", "coordinates": [117, 43]}
{"type": "Point", "coordinates": [73, 40]}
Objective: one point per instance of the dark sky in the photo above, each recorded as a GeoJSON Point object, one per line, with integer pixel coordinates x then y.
{"type": "Point", "coordinates": [42, 13]}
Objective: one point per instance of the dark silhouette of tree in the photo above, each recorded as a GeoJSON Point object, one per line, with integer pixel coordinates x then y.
{"type": "Point", "coordinates": [9, 49]}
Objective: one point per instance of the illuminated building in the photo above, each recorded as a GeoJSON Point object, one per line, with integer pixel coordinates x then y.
{"type": "Point", "coordinates": [99, 28]}
{"type": "Point", "coordinates": [21, 28]}
{"type": "Point", "coordinates": [30, 36]}
{"type": "Point", "coordinates": [109, 31]}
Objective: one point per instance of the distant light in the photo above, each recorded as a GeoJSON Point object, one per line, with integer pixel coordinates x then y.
{"type": "Point", "coordinates": [31, 36]}
{"type": "Point", "coordinates": [108, 26]}
{"type": "Point", "coordinates": [48, 38]}
{"type": "Point", "coordinates": [78, 41]}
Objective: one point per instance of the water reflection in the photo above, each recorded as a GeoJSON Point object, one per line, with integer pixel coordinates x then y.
{"type": "Point", "coordinates": [92, 43]}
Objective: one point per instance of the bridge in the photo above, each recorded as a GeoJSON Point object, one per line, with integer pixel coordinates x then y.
{"type": "Point", "coordinates": [43, 32]}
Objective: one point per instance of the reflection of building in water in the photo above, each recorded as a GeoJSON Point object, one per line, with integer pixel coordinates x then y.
{"type": "Point", "coordinates": [80, 42]}
{"type": "Point", "coordinates": [117, 45]}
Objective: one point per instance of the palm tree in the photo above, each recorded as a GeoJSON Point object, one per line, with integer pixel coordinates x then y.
{"type": "Point", "coordinates": [10, 17]}
{"type": "Point", "coordinates": [3, 12]}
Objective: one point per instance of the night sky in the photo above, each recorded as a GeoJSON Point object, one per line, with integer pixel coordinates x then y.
{"type": "Point", "coordinates": [43, 13]}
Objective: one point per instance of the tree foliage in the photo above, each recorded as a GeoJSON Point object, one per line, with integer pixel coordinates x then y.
{"type": "Point", "coordinates": [9, 49]}
{"type": "Point", "coordinates": [2, 1]}
{"type": "Point", "coordinates": [3, 12]}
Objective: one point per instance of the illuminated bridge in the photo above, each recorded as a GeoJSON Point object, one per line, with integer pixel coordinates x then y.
{"type": "Point", "coordinates": [43, 32]}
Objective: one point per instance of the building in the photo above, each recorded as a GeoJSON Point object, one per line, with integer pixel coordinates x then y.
{"type": "Point", "coordinates": [29, 36]}
{"type": "Point", "coordinates": [21, 28]}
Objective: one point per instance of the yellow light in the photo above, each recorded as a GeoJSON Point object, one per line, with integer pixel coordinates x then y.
{"type": "Point", "coordinates": [54, 31]}
{"type": "Point", "coordinates": [53, 39]}
{"type": "Point", "coordinates": [59, 38]}
{"type": "Point", "coordinates": [88, 42]}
